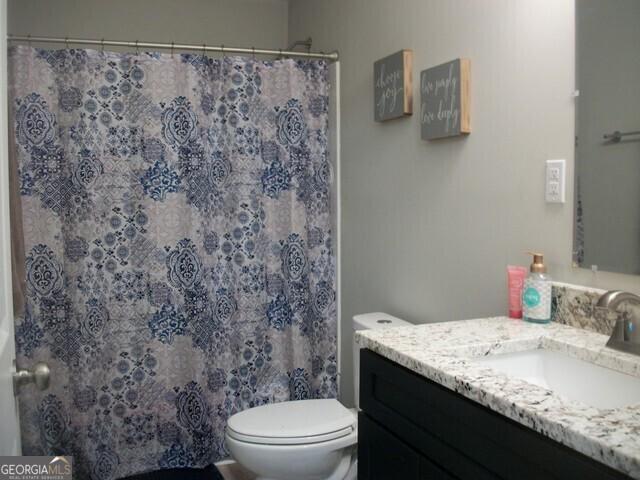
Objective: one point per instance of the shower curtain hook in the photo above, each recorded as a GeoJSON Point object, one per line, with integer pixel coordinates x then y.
{"type": "Point", "coordinates": [29, 40]}
{"type": "Point", "coordinates": [137, 49]}
{"type": "Point", "coordinates": [280, 56]}
{"type": "Point", "coordinates": [172, 49]}
{"type": "Point", "coordinates": [253, 53]}
{"type": "Point", "coordinates": [102, 45]}
{"type": "Point", "coordinates": [204, 50]}
{"type": "Point", "coordinates": [66, 42]}
{"type": "Point", "coordinates": [222, 50]}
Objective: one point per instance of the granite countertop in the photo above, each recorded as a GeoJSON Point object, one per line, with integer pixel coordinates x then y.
{"type": "Point", "coordinates": [444, 352]}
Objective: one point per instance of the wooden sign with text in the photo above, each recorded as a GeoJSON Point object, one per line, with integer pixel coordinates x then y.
{"type": "Point", "coordinates": [444, 100]}
{"type": "Point", "coordinates": [393, 86]}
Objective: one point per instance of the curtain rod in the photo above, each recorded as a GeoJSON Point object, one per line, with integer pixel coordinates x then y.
{"type": "Point", "coordinates": [333, 56]}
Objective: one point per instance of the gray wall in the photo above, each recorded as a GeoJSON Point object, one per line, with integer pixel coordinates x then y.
{"type": "Point", "coordinates": [232, 22]}
{"type": "Point", "coordinates": [429, 227]}
{"type": "Point", "coordinates": [608, 74]}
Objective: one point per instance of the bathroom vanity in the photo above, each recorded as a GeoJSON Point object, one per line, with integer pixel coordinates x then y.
{"type": "Point", "coordinates": [479, 399]}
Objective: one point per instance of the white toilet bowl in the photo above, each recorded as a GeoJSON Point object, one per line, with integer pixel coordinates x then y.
{"type": "Point", "coordinates": [297, 440]}
{"type": "Point", "coordinates": [303, 439]}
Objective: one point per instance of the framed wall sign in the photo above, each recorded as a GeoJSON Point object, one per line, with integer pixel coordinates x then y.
{"type": "Point", "coordinates": [393, 86]}
{"type": "Point", "coordinates": [444, 100]}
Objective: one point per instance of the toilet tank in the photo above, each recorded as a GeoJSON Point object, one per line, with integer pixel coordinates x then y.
{"type": "Point", "coordinates": [368, 321]}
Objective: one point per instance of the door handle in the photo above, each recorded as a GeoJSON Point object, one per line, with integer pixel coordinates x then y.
{"type": "Point", "coordinates": [39, 374]}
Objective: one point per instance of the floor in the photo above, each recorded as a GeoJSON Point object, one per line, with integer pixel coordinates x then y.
{"type": "Point", "coordinates": [233, 471]}
{"type": "Point", "coordinates": [207, 473]}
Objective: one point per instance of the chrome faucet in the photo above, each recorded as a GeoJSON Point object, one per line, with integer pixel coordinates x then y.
{"type": "Point", "coordinates": [625, 336]}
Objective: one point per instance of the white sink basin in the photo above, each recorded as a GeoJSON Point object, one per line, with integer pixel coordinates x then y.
{"type": "Point", "coordinates": [569, 377]}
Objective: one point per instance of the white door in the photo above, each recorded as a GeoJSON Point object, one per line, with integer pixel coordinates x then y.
{"type": "Point", "coordinates": [9, 430]}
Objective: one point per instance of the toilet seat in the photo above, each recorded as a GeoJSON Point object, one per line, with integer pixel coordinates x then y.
{"type": "Point", "coordinates": [298, 422]}
{"type": "Point", "coordinates": [290, 440]}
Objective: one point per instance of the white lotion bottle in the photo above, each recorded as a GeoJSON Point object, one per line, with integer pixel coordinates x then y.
{"type": "Point", "coordinates": [536, 293]}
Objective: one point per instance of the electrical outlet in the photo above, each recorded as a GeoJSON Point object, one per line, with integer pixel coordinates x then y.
{"type": "Point", "coordinates": [554, 191]}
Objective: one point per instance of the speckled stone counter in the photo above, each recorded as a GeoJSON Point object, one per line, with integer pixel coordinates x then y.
{"type": "Point", "coordinates": [444, 353]}
{"type": "Point", "coordinates": [575, 305]}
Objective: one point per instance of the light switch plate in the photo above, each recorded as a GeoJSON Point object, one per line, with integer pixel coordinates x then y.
{"type": "Point", "coordinates": [554, 191]}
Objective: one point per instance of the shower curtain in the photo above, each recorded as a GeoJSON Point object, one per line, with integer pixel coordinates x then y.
{"type": "Point", "coordinates": [179, 259]}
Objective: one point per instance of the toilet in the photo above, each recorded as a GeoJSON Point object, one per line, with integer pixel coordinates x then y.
{"type": "Point", "coordinates": [303, 439]}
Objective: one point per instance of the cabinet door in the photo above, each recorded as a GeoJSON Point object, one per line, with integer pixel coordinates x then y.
{"type": "Point", "coordinates": [430, 471]}
{"type": "Point", "coordinates": [382, 456]}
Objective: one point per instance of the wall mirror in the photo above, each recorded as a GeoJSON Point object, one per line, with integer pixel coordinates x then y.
{"type": "Point", "coordinates": [607, 174]}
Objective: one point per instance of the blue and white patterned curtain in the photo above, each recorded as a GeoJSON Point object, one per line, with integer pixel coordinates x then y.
{"type": "Point", "coordinates": [179, 256]}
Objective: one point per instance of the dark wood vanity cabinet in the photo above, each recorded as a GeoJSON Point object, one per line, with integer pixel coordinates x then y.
{"type": "Point", "coordinates": [411, 428]}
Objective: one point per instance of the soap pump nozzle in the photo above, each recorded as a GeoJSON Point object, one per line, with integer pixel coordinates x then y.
{"type": "Point", "coordinates": [538, 263]}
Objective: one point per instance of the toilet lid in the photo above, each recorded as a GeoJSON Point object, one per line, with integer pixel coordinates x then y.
{"type": "Point", "coordinates": [295, 422]}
